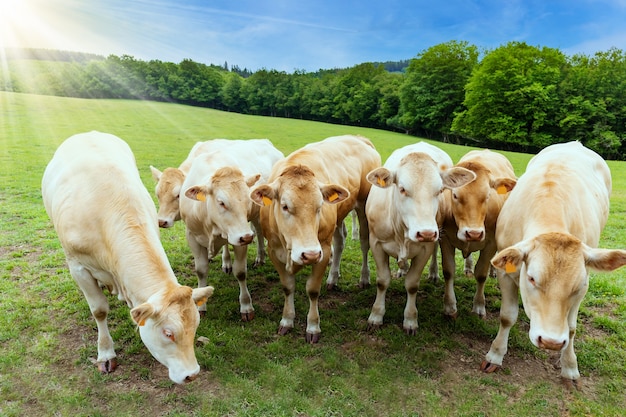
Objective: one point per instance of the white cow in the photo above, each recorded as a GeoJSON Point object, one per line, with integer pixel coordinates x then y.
{"type": "Point", "coordinates": [107, 224]}
{"type": "Point", "coordinates": [217, 210]}
{"type": "Point", "coordinates": [547, 234]}
{"type": "Point", "coordinates": [402, 214]}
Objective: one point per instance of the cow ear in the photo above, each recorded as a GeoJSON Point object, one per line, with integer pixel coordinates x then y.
{"type": "Point", "coordinates": [503, 185]}
{"type": "Point", "coordinates": [604, 259]}
{"type": "Point", "coordinates": [334, 194]}
{"type": "Point", "coordinates": [510, 259]}
{"type": "Point", "coordinates": [156, 174]}
{"type": "Point", "coordinates": [381, 177]}
{"type": "Point", "coordinates": [252, 179]}
{"type": "Point", "coordinates": [142, 312]}
{"type": "Point", "coordinates": [457, 177]}
{"type": "Point", "coordinates": [263, 195]}
{"type": "Point", "coordinates": [201, 295]}
{"type": "Point", "coordinates": [197, 192]}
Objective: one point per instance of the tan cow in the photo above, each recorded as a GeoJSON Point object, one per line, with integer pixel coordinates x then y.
{"type": "Point", "coordinates": [170, 181]}
{"type": "Point", "coordinates": [217, 210]}
{"type": "Point", "coordinates": [402, 213]}
{"type": "Point", "coordinates": [308, 195]}
{"type": "Point", "coordinates": [468, 217]}
{"type": "Point", "coordinates": [107, 224]}
{"type": "Point", "coordinates": [547, 235]}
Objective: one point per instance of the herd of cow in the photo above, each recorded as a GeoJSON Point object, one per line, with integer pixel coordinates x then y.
{"type": "Point", "coordinates": [540, 231]}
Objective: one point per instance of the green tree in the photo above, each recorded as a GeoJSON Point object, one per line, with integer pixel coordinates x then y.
{"type": "Point", "coordinates": [511, 98]}
{"type": "Point", "coordinates": [433, 89]}
{"type": "Point", "coordinates": [594, 102]}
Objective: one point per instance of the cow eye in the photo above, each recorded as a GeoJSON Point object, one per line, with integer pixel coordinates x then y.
{"type": "Point", "coordinates": [169, 334]}
{"type": "Point", "coordinates": [454, 196]}
{"type": "Point", "coordinates": [285, 208]}
{"type": "Point", "coordinates": [221, 203]}
{"type": "Point", "coordinates": [531, 280]}
{"type": "Point", "coordinates": [402, 190]}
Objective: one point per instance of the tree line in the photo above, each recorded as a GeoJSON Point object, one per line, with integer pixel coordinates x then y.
{"type": "Point", "coordinates": [514, 97]}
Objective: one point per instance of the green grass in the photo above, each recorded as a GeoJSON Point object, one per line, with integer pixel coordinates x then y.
{"type": "Point", "coordinates": [48, 337]}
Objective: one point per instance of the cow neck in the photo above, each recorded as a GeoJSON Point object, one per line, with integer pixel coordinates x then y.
{"type": "Point", "coordinates": [142, 266]}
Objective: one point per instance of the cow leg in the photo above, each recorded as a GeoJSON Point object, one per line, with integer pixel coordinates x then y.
{"type": "Point", "coordinates": [469, 266]}
{"type": "Point", "coordinates": [364, 241]}
{"type": "Point", "coordinates": [483, 266]}
{"type": "Point", "coordinates": [313, 288]}
{"type": "Point", "coordinates": [240, 269]}
{"type": "Point", "coordinates": [356, 234]}
{"type": "Point", "coordinates": [449, 270]}
{"type": "Point", "coordinates": [288, 282]}
{"type": "Point", "coordinates": [201, 262]}
{"type": "Point", "coordinates": [383, 278]}
{"type": "Point", "coordinates": [260, 243]}
{"type": "Point", "coordinates": [569, 363]}
{"type": "Point", "coordinates": [433, 269]}
{"type": "Point", "coordinates": [99, 306]}
{"type": "Point", "coordinates": [411, 283]}
{"type": "Point", "coordinates": [227, 265]}
{"type": "Point", "coordinates": [509, 311]}
{"type": "Point", "coordinates": [339, 242]}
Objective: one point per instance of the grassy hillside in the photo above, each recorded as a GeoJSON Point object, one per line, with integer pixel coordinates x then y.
{"type": "Point", "coordinates": [48, 338]}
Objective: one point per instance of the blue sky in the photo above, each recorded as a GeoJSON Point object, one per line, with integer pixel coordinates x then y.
{"type": "Point", "coordinates": [290, 35]}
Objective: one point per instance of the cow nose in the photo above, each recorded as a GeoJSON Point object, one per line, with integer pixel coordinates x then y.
{"type": "Point", "coordinates": [474, 235]}
{"type": "Point", "coordinates": [246, 239]}
{"type": "Point", "coordinates": [426, 236]}
{"type": "Point", "coordinates": [310, 257]}
{"type": "Point", "coordinates": [550, 344]}
{"type": "Point", "coordinates": [164, 223]}
{"type": "Point", "coordinates": [190, 378]}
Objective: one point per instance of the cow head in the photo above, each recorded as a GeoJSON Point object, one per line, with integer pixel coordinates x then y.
{"type": "Point", "coordinates": [296, 201]}
{"type": "Point", "coordinates": [471, 202]}
{"type": "Point", "coordinates": [169, 183]}
{"type": "Point", "coordinates": [417, 183]}
{"type": "Point", "coordinates": [553, 270]}
{"type": "Point", "coordinates": [167, 325]}
{"type": "Point", "coordinates": [228, 205]}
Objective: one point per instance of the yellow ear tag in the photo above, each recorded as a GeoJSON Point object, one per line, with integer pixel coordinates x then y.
{"type": "Point", "coordinates": [380, 182]}
{"type": "Point", "coordinates": [200, 196]}
{"type": "Point", "coordinates": [267, 201]}
{"type": "Point", "coordinates": [509, 267]}
{"type": "Point", "coordinates": [333, 197]}
{"type": "Point", "coordinates": [200, 302]}
{"type": "Point", "coordinates": [501, 189]}
{"type": "Point", "coordinates": [141, 323]}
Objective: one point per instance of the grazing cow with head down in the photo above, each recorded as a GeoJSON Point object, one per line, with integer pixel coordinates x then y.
{"type": "Point", "coordinates": [307, 197]}
{"type": "Point", "coordinates": [402, 214]}
{"type": "Point", "coordinates": [547, 236]}
{"type": "Point", "coordinates": [217, 210]}
{"type": "Point", "coordinates": [107, 224]}
{"type": "Point", "coordinates": [468, 216]}
{"type": "Point", "coordinates": [169, 183]}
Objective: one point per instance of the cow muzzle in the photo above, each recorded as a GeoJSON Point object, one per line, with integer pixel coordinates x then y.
{"type": "Point", "coordinates": [550, 344]}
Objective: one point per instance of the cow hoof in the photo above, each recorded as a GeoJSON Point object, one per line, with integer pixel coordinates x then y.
{"type": "Point", "coordinates": [371, 327]}
{"type": "Point", "coordinates": [227, 270]}
{"type": "Point", "coordinates": [202, 314]}
{"type": "Point", "coordinates": [283, 330]}
{"type": "Point", "coordinates": [107, 367]}
{"type": "Point", "coordinates": [451, 316]}
{"type": "Point", "coordinates": [364, 285]}
{"type": "Point", "coordinates": [571, 384]}
{"type": "Point", "coordinates": [331, 287]}
{"type": "Point", "coordinates": [247, 316]}
{"type": "Point", "coordinates": [410, 332]}
{"type": "Point", "coordinates": [488, 367]}
{"type": "Point", "coordinates": [312, 338]}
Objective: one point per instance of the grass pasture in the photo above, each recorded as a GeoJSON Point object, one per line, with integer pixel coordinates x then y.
{"type": "Point", "coordinates": [48, 337]}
